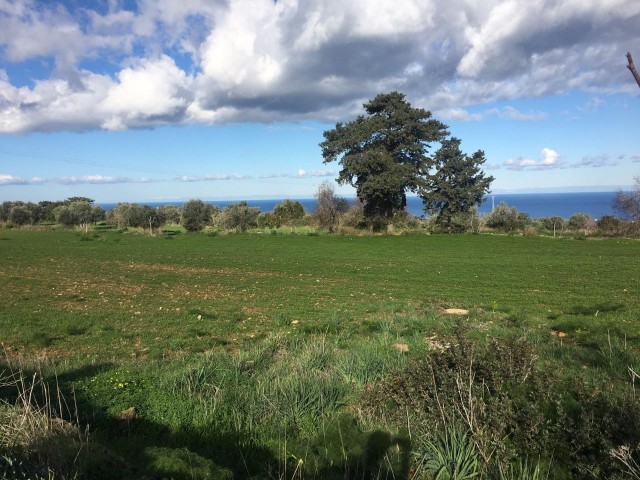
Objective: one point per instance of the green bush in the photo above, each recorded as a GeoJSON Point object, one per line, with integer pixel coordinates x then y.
{"type": "Point", "coordinates": [507, 219]}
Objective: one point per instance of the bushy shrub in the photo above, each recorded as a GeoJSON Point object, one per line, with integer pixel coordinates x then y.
{"type": "Point", "coordinates": [196, 214]}
{"type": "Point", "coordinates": [610, 225]}
{"type": "Point", "coordinates": [507, 219]}
{"type": "Point", "coordinates": [289, 212]}
{"type": "Point", "coordinates": [354, 216]}
{"type": "Point", "coordinates": [239, 216]}
{"type": "Point", "coordinates": [581, 222]}
{"type": "Point", "coordinates": [553, 224]}
{"type": "Point", "coordinates": [268, 220]}
{"type": "Point", "coordinates": [511, 407]}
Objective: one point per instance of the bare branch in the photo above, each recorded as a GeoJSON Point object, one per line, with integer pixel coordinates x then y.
{"type": "Point", "coordinates": [632, 68]}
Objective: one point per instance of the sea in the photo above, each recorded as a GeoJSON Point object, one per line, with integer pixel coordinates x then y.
{"type": "Point", "coordinates": [596, 204]}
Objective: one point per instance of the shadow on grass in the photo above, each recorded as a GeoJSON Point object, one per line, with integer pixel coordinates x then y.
{"type": "Point", "coordinates": [143, 448]}
{"type": "Point", "coordinates": [595, 309]}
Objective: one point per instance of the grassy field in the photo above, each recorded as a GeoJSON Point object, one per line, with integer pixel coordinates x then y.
{"type": "Point", "coordinates": [241, 353]}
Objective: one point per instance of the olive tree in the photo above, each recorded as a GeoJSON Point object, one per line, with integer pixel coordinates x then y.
{"type": "Point", "coordinates": [196, 214]}
{"type": "Point", "coordinates": [20, 215]}
{"type": "Point", "coordinates": [239, 216]}
{"type": "Point", "coordinates": [289, 211]}
{"type": "Point", "coordinates": [507, 219]}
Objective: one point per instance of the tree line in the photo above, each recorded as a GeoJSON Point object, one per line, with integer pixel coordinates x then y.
{"type": "Point", "coordinates": [332, 213]}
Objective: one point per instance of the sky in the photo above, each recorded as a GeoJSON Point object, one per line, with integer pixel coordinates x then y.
{"type": "Point", "coordinates": [166, 100]}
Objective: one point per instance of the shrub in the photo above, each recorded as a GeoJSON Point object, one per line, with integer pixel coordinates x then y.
{"type": "Point", "coordinates": [511, 408]}
{"type": "Point", "coordinates": [610, 225]}
{"type": "Point", "coordinates": [239, 216]}
{"type": "Point", "coordinates": [581, 222]}
{"type": "Point", "coordinates": [507, 219]}
{"type": "Point", "coordinates": [196, 215]}
{"type": "Point", "coordinates": [268, 220]}
{"type": "Point", "coordinates": [289, 212]}
{"type": "Point", "coordinates": [329, 206]}
{"type": "Point", "coordinates": [20, 215]}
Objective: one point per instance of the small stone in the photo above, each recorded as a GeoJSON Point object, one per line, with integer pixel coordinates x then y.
{"type": "Point", "coordinates": [199, 317]}
{"type": "Point", "coordinates": [295, 322]}
{"type": "Point", "coordinates": [456, 311]}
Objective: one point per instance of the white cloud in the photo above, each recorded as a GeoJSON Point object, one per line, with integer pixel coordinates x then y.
{"type": "Point", "coordinates": [598, 161]}
{"type": "Point", "coordinates": [510, 113]}
{"type": "Point", "coordinates": [550, 160]}
{"type": "Point", "coordinates": [213, 178]}
{"type": "Point", "coordinates": [155, 90]}
{"type": "Point", "coordinates": [313, 173]}
{"type": "Point", "coordinates": [635, 158]}
{"type": "Point", "coordinates": [215, 61]}
{"type": "Point", "coordinates": [458, 114]}
{"type": "Point", "coordinates": [91, 179]}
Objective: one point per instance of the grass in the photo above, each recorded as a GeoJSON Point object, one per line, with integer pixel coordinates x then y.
{"type": "Point", "coordinates": [152, 294]}
{"type": "Point", "coordinates": [245, 355]}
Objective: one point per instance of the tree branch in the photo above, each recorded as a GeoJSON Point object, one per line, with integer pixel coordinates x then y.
{"type": "Point", "coordinates": [632, 68]}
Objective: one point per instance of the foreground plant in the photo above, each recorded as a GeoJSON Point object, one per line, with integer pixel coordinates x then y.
{"type": "Point", "coordinates": [452, 457]}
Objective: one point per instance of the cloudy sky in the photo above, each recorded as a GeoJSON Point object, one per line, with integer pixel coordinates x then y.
{"type": "Point", "coordinates": [152, 100]}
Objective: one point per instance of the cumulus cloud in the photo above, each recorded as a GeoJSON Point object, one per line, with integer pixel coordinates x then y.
{"type": "Point", "coordinates": [550, 160]}
{"type": "Point", "coordinates": [215, 61]}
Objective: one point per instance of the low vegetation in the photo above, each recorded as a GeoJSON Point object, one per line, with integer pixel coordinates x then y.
{"type": "Point", "coordinates": [314, 356]}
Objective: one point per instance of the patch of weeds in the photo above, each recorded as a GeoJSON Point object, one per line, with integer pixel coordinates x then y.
{"type": "Point", "coordinates": [362, 365]}
{"type": "Point", "coordinates": [202, 314]}
{"type": "Point", "coordinates": [41, 339]}
{"type": "Point", "coordinates": [72, 328]}
{"type": "Point", "coordinates": [173, 463]}
{"type": "Point", "coordinates": [282, 319]}
{"type": "Point", "coordinates": [198, 332]}
{"type": "Point", "coordinates": [596, 309]}
{"type": "Point", "coordinates": [236, 317]}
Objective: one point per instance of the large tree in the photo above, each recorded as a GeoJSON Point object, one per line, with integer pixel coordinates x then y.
{"type": "Point", "coordinates": [457, 183]}
{"type": "Point", "coordinates": [384, 154]}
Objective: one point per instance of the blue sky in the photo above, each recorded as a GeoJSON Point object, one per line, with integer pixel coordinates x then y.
{"type": "Point", "coordinates": [166, 101]}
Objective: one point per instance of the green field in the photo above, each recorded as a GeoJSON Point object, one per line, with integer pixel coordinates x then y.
{"type": "Point", "coordinates": [125, 320]}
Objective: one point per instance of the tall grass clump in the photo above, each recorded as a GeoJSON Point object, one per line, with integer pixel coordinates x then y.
{"type": "Point", "coordinates": [36, 439]}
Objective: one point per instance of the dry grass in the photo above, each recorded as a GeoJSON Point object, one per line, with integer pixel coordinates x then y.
{"type": "Point", "coordinates": [32, 424]}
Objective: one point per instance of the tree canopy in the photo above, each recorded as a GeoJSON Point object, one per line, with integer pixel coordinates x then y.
{"type": "Point", "coordinates": [384, 154]}
{"type": "Point", "coordinates": [457, 184]}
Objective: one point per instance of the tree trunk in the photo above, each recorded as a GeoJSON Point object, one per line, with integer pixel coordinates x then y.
{"type": "Point", "coordinates": [632, 68]}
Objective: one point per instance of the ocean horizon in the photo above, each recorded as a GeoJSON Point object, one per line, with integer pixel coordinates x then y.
{"type": "Point", "coordinates": [536, 205]}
